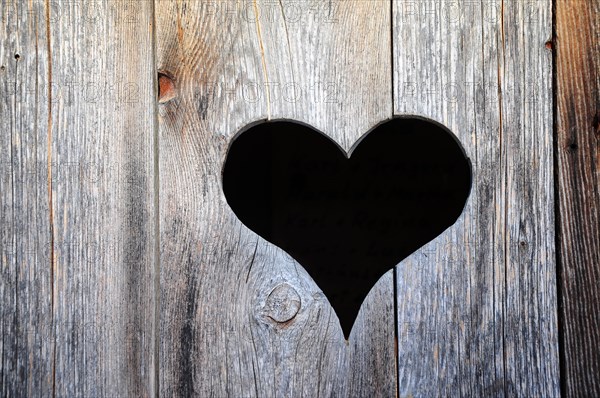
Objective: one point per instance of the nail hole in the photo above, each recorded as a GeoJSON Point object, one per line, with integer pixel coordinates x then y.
{"type": "Point", "coordinates": [166, 88]}
{"type": "Point", "coordinates": [17, 56]}
{"type": "Point", "coordinates": [573, 146]}
{"type": "Point", "coordinates": [549, 45]}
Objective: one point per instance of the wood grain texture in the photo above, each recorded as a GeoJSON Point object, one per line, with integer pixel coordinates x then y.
{"type": "Point", "coordinates": [577, 88]}
{"type": "Point", "coordinates": [477, 305]}
{"type": "Point", "coordinates": [224, 289]}
{"type": "Point", "coordinates": [476, 308]}
{"type": "Point", "coordinates": [78, 199]}
{"type": "Point", "coordinates": [27, 349]}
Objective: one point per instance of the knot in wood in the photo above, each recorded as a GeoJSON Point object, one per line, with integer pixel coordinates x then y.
{"type": "Point", "coordinates": [283, 303]}
{"type": "Point", "coordinates": [166, 88]}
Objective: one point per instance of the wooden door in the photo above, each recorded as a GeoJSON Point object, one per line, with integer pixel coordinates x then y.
{"type": "Point", "coordinates": [126, 273]}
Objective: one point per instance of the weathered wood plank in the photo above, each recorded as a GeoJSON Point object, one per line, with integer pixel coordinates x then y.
{"type": "Point", "coordinates": [477, 306]}
{"type": "Point", "coordinates": [78, 318]}
{"type": "Point", "coordinates": [577, 88]}
{"type": "Point", "coordinates": [223, 289]}
{"type": "Point", "coordinates": [26, 352]}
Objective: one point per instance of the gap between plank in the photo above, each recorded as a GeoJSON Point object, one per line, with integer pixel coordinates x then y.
{"type": "Point", "coordinates": [155, 140]}
{"type": "Point", "coordinates": [50, 199]}
{"type": "Point", "coordinates": [557, 225]}
{"type": "Point", "coordinates": [395, 272]}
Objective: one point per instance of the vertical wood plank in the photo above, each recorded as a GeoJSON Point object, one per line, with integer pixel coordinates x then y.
{"type": "Point", "coordinates": [105, 206]}
{"type": "Point", "coordinates": [26, 366]}
{"type": "Point", "coordinates": [235, 63]}
{"type": "Point", "coordinates": [530, 328]}
{"type": "Point", "coordinates": [477, 306]}
{"type": "Point", "coordinates": [79, 316]}
{"type": "Point", "coordinates": [578, 161]}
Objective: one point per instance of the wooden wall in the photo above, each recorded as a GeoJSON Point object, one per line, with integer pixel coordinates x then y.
{"type": "Point", "coordinates": [125, 273]}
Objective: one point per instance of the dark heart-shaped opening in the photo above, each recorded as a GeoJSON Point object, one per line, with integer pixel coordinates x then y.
{"type": "Point", "coordinates": [347, 220]}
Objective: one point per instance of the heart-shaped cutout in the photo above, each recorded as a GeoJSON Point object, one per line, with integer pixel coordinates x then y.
{"type": "Point", "coordinates": [347, 220]}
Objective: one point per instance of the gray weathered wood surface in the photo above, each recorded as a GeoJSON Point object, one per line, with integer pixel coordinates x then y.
{"type": "Point", "coordinates": [237, 63]}
{"type": "Point", "coordinates": [77, 199]}
{"type": "Point", "coordinates": [125, 273]}
{"type": "Point", "coordinates": [477, 306]}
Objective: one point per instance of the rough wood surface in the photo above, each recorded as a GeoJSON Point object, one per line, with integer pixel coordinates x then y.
{"type": "Point", "coordinates": [477, 306]}
{"type": "Point", "coordinates": [578, 163]}
{"type": "Point", "coordinates": [77, 199]}
{"type": "Point", "coordinates": [26, 346]}
{"type": "Point", "coordinates": [238, 316]}
{"type": "Point", "coordinates": [82, 163]}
